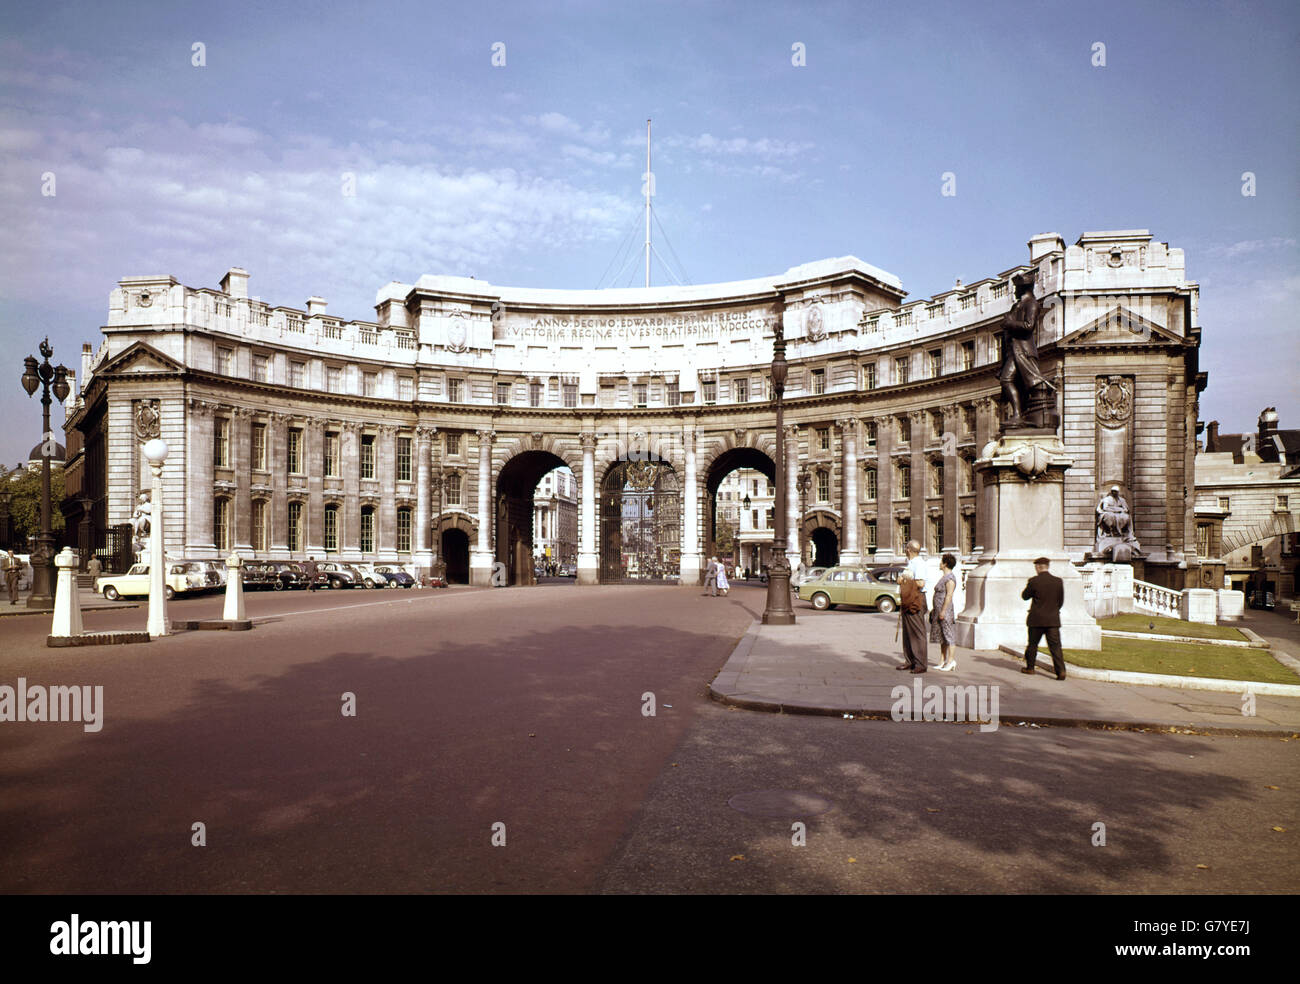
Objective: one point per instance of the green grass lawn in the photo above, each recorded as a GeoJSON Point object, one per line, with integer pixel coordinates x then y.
{"type": "Point", "coordinates": [1169, 626]}
{"type": "Point", "coordinates": [1182, 659]}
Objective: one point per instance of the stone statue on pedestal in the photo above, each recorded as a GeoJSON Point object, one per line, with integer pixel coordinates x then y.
{"type": "Point", "coordinates": [1115, 538]}
{"type": "Point", "coordinates": [1030, 399]}
{"type": "Point", "coordinates": [140, 528]}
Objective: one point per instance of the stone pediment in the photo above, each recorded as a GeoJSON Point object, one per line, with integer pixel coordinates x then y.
{"type": "Point", "coordinates": [1120, 326]}
{"type": "Point", "coordinates": [140, 358]}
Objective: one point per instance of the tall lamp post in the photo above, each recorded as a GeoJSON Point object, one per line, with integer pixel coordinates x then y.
{"type": "Point", "coordinates": [155, 452]}
{"type": "Point", "coordinates": [805, 483]}
{"type": "Point", "coordinates": [436, 480]}
{"type": "Point", "coordinates": [43, 376]}
{"type": "Point", "coordinates": [779, 611]}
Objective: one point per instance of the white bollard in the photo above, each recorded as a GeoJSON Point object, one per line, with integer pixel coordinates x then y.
{"type": "Point", "coordinates": [234, 610]}
{"type": "Point", "coordinates": [67, 602]}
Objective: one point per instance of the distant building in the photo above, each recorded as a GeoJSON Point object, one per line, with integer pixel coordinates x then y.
{"type": "Point", "coordinates": [555, 518]}
{"type": "Point", "coordinates": [1248, 504]}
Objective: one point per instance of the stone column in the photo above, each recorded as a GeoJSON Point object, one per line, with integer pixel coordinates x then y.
{"type": "Point", "coordinates": [313, 436]}
{"type": "Point", "coordinates": [691, 563]}
{"type": "Point", "coordinates": [277, 451]}
{"type": "Point", "coordinates": [916, 507]}
{"type": "Point", "coordinates": [350, 453]}
{"type": "Point", "coordinates": [588, 560]}
{"type": "Point", "coordinates": [386, 513]}
{"type": "Point", "coordinates": [852, 553]}
{"type": "Point", "coordinates": [422, 552]}
{"type": "Point", "coordinates": [952, 466]}
{"type": "Point", "coordinates": [198, 456]}
{"type": "Point", "coordinates": [987, 426]}
{"type": "Point", "coordinates": [241, 441]}
{"type": "Point", "coordinates": [793, 521]}
{"type": "Point", "coordinates": [481, 557]}
{"type": "Point", "coordinates": [886, 549]}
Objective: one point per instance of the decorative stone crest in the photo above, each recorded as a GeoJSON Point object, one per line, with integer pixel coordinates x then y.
{"type": "Point", "coordinates": [813, 322]}
{"type": "Point", "coordinates": [457, 332]}
{"type": "Point", "coordinates": [537, 437]}
{"type": "Point", "coordinates": [1114, 400]}
{"type": "Point", "coordinates": [148, 419]}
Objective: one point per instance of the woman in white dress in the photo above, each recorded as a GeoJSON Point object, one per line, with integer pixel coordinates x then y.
{"type": "Point", "coordinates": [723, 584]}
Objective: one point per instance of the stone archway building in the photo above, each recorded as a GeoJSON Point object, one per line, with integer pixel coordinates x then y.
{"type": "Point", "coordinates": [294, 432]}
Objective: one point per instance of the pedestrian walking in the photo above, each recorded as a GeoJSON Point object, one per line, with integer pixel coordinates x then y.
{"type": "Point", "coordinates": [711, 577]}
{"type": "Point", "coordinates": [1046, 593]}
{"type": "Point", "coordinates": [911, 613]}
{"type": "Point", "coordinates": [13, 567]}
{"type": "Point", "coordinates": [723, 584]}
{"type": "Point", "coordinates": [311, 570]}
{"type": "Point", "coordinates": [943, 615]}
{"type": "Point", "coordinates": [94, 568]}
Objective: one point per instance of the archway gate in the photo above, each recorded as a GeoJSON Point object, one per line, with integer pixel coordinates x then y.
{"type": "Point", "coordinates": [640, 522]}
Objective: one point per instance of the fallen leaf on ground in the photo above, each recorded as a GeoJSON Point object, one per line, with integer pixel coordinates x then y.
{"type": "Point", "coordinates": [737, 857]}
{"type": "Point", "coordinates": [1280, 830]}
{"type": "Point", "coordinates": [1204, 866]}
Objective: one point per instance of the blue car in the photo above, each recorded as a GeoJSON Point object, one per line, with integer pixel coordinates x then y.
{"type": "Point", "coordinates": [396, 576]}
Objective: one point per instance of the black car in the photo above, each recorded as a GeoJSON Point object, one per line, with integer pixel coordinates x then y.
{"type": "Point", "coordinates": [287, 576]}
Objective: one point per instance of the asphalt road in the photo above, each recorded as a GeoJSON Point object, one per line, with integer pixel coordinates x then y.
{"type": "Point", "coordinates": [524, 707]}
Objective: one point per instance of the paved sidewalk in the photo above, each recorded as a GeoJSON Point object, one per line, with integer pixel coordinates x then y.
{"type": "Point", "coordinates": [843, 662]}
{"type": "Point", "coordinates": [90, 602]}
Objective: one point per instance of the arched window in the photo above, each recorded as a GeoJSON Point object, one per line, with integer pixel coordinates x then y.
{"type": "Point", "coordinates": [404, 529]}
{"type": "Point", "coordinates": [367, 529]}
{"type": "Point", "coordinates": [871, 484]}
{"type": "Point", "coordinates": [331, 527]}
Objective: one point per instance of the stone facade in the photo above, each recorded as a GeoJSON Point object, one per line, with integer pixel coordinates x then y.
{"type": "Point", "coordinates": [424, 433]}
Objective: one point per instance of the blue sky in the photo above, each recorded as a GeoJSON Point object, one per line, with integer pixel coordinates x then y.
{"type": "Point", "coordinates": [530, 173]}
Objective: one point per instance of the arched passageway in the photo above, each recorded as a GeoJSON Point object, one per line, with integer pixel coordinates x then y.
{"type": "Point", "coordinates": [756, 551]}
{"type": "Point", "coordinates": [640, 522]}
{"type": "Point", "coordinates": [513, 527]}
{"type": "Point", "coordinates": [825, 547]}
{"type": "Point", "coordinates": [455, 554]}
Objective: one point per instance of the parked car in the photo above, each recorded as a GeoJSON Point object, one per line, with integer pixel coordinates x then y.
{"type": "Point", "coordinates": [288, 576]}
{"type": "Point", "coordinates": [808, 574]}
{"type": "Point", "coordinates": [216, 566]}
{"type": "Point", "coordinates": [341, 575]}
{"type": "Point", "coordinates": [397, 578]}
{"type": "Point", "coordinates": [849, 586]}
{"type": "Point", "coordinates": [181, 577]}
{"type": "Point", "coordinates": [886, 572]}
{"type": "Point", "coordinates": [372, 577]}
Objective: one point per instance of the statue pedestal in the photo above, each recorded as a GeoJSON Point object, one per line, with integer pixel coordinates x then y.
{"type": "Point", "coordinates": [1023, 475]}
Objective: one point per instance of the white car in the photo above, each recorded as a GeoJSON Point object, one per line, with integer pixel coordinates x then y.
{"type": "Point", "coordinates": [374, 578]}
{"type": "Point", "coordinates": [181, 577]}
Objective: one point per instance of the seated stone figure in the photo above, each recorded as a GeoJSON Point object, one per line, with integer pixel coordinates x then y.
{"type": "Point", "coordinates": [1115, 538]}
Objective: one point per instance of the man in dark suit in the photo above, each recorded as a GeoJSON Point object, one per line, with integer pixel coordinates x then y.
{"type": "Point", "coordinates": [1046, 594]}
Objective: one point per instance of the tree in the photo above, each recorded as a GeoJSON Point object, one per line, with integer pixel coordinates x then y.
{"type": "Point", "coordinates": [724, 537]}
{"type": "Point", "coordinates": [24, 486]}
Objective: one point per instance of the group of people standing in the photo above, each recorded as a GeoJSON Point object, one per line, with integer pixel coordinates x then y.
{"type": "Point", "coordinates": [1045, 592]}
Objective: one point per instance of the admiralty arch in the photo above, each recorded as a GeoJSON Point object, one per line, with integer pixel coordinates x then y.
{"type": "Point", "coordinates": [420, 436]}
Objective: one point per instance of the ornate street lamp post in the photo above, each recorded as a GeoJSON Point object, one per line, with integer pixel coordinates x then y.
{"type": "Point", "coordinates": [805, 482]}
{"type": "Point", "coordinates": [155, 452]}
{"type": "Point", "coordinates": [436, 479]}
{"type": "Point", "coordinates": [779, 611]}
{"type": "Point", "coordinates": [42, 376]}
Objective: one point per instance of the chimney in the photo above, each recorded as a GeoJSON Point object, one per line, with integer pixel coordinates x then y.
{"type": "Point", "coordinates": [315, 306]}
{"type": "Point", "coordinates": [1212, 439]}
{"type": "Point", "coordinates": [86, 356]}
{"type": "Point", "coordinates": [1265, 446]}
{"type": "Point", "coordinates": [235, 282]}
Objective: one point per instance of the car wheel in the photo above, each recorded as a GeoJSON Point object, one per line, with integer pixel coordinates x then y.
{"type": "Point", "coordinates": [369, 583]}
{"type": "Point", "coordinates": [168, 592]}
{"type": "Point", "coordinates": [335, 583]}
{"type": "Point", "coordinates": [110, 593]}
{"type": "Point", "coordinates": [278, 584]}
{"type": "Point", "coordinates": [392, 584]}
{"type": "Point", "coordinates": [821, 601]}
{"type": "Point", "coordinates": [885, 604]}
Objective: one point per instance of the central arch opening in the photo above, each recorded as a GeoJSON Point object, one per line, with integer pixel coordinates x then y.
{"type": "Point", "coordinates": [640, 522]}
{"type": "Point", "coordinates": [536, 517]}
{"type": "Point", "coordinates": [740, 517]}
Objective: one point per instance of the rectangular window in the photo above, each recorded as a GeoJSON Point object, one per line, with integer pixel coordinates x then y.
{"type": "Point", "coordinates": [298, 374]}
{"type": "Point", "coordinates": [570, 391]}
{"type": "Point", "coordinates": [333, 379]}
{"type": "Point", "coordinates": [904, 430]}
{"type": "Point", "coordinates": [332, 454]}
{"type": "Point", "coordinates": [771, 518]}
{"type": "Point", "coordinates": [936, 535]}
{"type": "Point", "coordinates": [367, 530]}
{"type": "Point", "coordinates": [904, 482]}
{"type": "Point", "coordinates": [967, 476]}
{"type": "Point", "coordinates": [968, 418]}
{"type": "Point", "coordinates": [904, 531]}
{"type": "Point", "coordinates": [871, 534]}
{"type": "Point", "coordinates": [823, 486]}
{"type": "Point", "coordinates": [259, 447]}
{"type": "Point", "coordinates": [967, 355]}
{"type": "Point", "coordinates": [534, 394]}
{"type": "Point", "coordinates": [674, 394]}
{"type": "Point", "coordinates": [453, 490]}
{"type": "Point", "coordinates": [934, 360]}
{"type": "Point", "coordinates": [261, 531]}
{"type": "Point", "coordinates": [871, 435]}
{"type": "Point", "coordinates": [869, 376]}
{"type": "Point", "coordinates": [901, 369]}
{"type": "Point", "coordinates": [936, 423]}
{"type": "Point", "coordinates": [403, 459]}
{"type": "Point", "coordinates": [1203, 539]}
{"type": "Point", "coordinates": [221, 524]}
{"type": "Point", "coordinates": [221, 442]}
{"type": "Point", "coordinates": [453, 443]}
{"type": "Point", "coordinates": [261, 369]}
{"type": "Point", "coordinates": [367, 455]}
{"type": "Point", "coordinates": [503, 394]}
{"type": "Point", "coordinates": [370, 384]}
{"type": "Point", "coordinates": [995, 348]}
{"type": "Point", "coordinates": [710, 391]}
{"type": "Point", "coordinates": [1281, 505]}
{"type": "Point", "coordinates": [818, 381]}
{"type": "Point", "coordinates": [331, 527]}
{"type": "Point", "coordinates": [295, 451]}
{"type": "Point", "coordinates": [295, 526]}
{"type": "Point", "coordinates": [871, 484]}
{"type": "Point", "coordinates": [823, 438]}
{"type": "Point", "coordinates": [225, 361]}
{"type": "Point", "coordinates": [404, 531]}
{"type": "Point", "coordinates": [405, 388]}
{"type": "Point", "coordinates": [640, 392]}
{"type": "Point", "coordinates": [753, 519]}
{"type": "Point", "coordinates": [936, 478]}
{"type": "Point", "coordinates": [455, 390]}
{"type": "Point", "coordinates": [1225, 504]}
